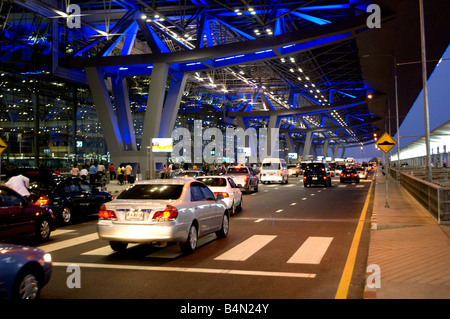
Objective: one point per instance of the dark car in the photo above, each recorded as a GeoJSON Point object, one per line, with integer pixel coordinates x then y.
{"type": "Point", "coordinates": [72, 197]}
{"type": "Point", "coordinates": [317, 173]}
{"type": "Point", "coordinates": [24, 271]}
{"type": "Point", "coordinates": [349, 174]}
{"type": "Point", "coordinates": [19, 219]}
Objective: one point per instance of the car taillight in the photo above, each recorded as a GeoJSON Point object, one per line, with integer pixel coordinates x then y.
{"type": "Point", "coordinates": [170, 213]}
{"type": "Point", "coordinates": [245, 179]}
{"type": "Point", "coordinates": [225, 194]}
{"type": "Point", "coordinates": [43, 200]}
{"type": "Point", "coordinates": [304, 178]}
{"type": "Point", "coordinates": [103, 213]}
{"type": "Point", "coordinates": [342, 174]}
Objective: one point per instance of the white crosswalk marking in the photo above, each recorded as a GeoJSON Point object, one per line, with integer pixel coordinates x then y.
{"type": "Point", "coordinates": [312, 251]}
{"type": "Point", "coordinates": [69, 242]}
{"type": "Point", "coordinates": [247, 248]}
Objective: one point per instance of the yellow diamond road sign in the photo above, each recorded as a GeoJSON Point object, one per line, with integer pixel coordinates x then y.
{"type": "Point", "coordinates": [386, 143]}
{"type": "Point", "coordinates": [3, 146]}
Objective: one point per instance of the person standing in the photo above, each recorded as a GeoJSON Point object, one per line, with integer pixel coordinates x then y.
{"type": "Point", "coordinates": [112, 171]}
{"type": "Point", "coordinates": [84, 173]}
{"type": "Point", "coordinates": [120, 173]}
{"type": "Point", "coordinates": [75, 171]}
{"type": "Point", "coordinates": [128, 172]}
{"type": "Point", "coordinates": [93, 174]}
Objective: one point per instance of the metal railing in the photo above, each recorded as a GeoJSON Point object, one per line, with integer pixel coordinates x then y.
{"type": "Point", "coordinates": [435, 198]}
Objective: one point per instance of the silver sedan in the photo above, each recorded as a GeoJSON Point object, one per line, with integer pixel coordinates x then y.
{"type": "Point", "coordinates": [170, 210]}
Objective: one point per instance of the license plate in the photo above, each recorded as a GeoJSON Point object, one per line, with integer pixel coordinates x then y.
{"type": "Point", "coordinates": [314, 178]}
{"type": "Point", "coordinates": [134, 216]}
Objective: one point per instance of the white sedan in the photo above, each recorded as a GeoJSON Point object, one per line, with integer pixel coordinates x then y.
{"type": "Point", "coordinates": [362, 172]}
{"type": "Point", "coordinates": [169, 210]}
{"type": "Point", "coordinates": [226, 186]}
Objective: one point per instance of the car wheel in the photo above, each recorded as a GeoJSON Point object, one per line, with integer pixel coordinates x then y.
{"type": "Point", "coordinates": [26, 285]}
{"type": "Point", "coordinates": [232, 210]}
{"type": "Point", "coordinates": [118, 246]}
{"type": "Point", "coordinates": [305, 184]}
{"type": "Point", "coordinates": [66, 215]}
{"type": "Point", "coordinates": [43, 230]}
{"type": "Point", "coordinates": [190, 244]}
{"type": "Point", "coordinates": [223, 232]}
{"type": "Point", "coordinates": [239, 207]}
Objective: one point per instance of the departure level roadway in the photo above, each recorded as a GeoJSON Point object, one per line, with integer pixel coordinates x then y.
{"type": "Point", "coordinates": [289, 242]}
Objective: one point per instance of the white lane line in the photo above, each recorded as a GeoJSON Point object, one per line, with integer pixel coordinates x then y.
{"type": "Point", "coordinates": [279, 211]}
{"type": "Point", "coordinates": [304, 198]}
{"type": "Point", "coordinates": [293, 204]}
{"type": "Point", "coordinates": [247, 248]}
{"type": "Point", "coordinates": [61, 231]}
{"type": "Point", "coordinates": [104, 251]}
{"type": "Point", "coordinates": [191, 270]}
{"type": "Point", "coordinates": [259, 220]}
{"type": "Point", "coordinates": [312, 251]}
{"type": "Point", "coordinates": [69, 242]}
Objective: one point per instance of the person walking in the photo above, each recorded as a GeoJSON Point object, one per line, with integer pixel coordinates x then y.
{"type": "Point", "coordinates": [120, 174]}
{"type": "Point", "coordinates": [84, 173]}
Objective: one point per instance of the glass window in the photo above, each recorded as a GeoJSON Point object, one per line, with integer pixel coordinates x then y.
{"type": "Point", "coordinates": [237, 170]}
{"type": "Point", "coordinates": [152, 191]}
{"type": "Point", "coordinates": [213, 182]}
{"type": "Point", "coordinates": [270, 165]}
{"type": "Point", "coordinates": [9, 198]}
{"type": "Point", "coordinates": [208, 195]}
{"type": "Point", "coordinates": [196, 193]}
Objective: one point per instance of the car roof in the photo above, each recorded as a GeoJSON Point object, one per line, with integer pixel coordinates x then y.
{"type": "Point", "coordinates": [174, 181]}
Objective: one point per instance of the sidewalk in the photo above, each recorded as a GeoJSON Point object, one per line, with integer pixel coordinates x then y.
{"type": "Point", "coordinates": [410, 248]}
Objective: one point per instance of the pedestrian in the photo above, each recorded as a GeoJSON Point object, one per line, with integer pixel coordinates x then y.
{"type": "Point", "coordinates": [20, 184]}
{"type": "Point", "coordinates": [84, 173]}
{"type": "Point", "coordinates": [112, 171]}
{"type": "Point", "coordinates": [75, 170]}
{"type": "Point", "coordinates": [120, 174]}
{"type": "Point", "coordinates": [93, 174]}
{"type": "Point", "coordinates": [128, 172]}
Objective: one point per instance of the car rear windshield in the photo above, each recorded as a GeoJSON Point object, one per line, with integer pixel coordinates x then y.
{"type": "Point", "coordinates": [214, 182]}
{"type": "Point", "coordinates": [269, 165]}
{"type": "Point", "coordinates": [152, 191]}
{"type": "Point", "coordinates": [237, 170]}
{"type": "Point", "coordinates": [316, 167]}
{"type": "Point", "coordinates": [348, 170]}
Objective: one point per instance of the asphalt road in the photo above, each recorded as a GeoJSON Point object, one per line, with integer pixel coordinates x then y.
{"type": "Point", "coordinates": [288, 242]}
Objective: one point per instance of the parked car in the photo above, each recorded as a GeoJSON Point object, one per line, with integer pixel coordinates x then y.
{"type": "Point", "coordinates": [362, 172]}
{"type": "Point", "coordinates": [294, 170]}
{"type": "Point", "coordinates": [349, 174]}
{"type": "Point", "coordinates": [244, 176]}
{"type": "Point", "coordinates": [317, 173]}
{"type": "Point", "coordinates": [24, 271]}
{"type": "Point", "coordinates": [19, 218]}
{"type": "Point", "coordinates": [166, 210]}
{"type": "Point", "coordinates": [225, 186]}
{"type": "Point", "coordinates": [274, 170]}
{"type": "Point", "coordinates": [72, 197]}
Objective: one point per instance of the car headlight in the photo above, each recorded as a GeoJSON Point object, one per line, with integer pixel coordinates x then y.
{"type": "Point", "coordinates": [47, 258]}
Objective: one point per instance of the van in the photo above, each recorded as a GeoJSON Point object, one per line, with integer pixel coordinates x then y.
{"type": "Point", "coordinates": [274, 170]}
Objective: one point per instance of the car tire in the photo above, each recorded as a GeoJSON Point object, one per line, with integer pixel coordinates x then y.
{"type": "Point", "coordinates": [189, 246]}
{"type": "Point", "coordinates": [66, 215]}
{"type": "Point", "coordinates": [232, 210]}
{"type": "Point", "coordinates": [305, 184]}
{"type": "Point", "coordinates": [239, 207]}
{"type": "Point", "coordinates": [26, 285]}
{"type": "Point", "coordinates": [43, 230]}
{"type": "Point", "coordinates": [223, 232]}
{"type": "Point", "coordinates": [118, 246]}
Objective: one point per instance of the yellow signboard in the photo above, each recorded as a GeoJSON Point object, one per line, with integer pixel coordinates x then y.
{"type": "Point", "coordinates": [386, 143]}
{"type": "Point", "coordinates": [3, 146]}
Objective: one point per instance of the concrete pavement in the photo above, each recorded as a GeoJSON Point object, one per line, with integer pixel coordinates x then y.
{"type": "Point", "coordinates": [407, 246]}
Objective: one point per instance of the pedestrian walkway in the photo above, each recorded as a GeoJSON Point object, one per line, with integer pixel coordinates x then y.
{"type": "Point", "coordinates": [411, 250]}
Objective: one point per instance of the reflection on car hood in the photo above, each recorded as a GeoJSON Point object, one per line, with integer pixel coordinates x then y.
{"type": "Point", "coordinates": [12, 248]}
{"type": "Point", "coordinates": [123, 203]}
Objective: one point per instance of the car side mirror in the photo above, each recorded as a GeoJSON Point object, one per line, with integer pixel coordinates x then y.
{"type": "Point", "coordinates": [219, 197]}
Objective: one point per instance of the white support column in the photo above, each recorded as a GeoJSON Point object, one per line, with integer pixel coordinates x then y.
{"type": "Point", "coordinates": [307, 145]}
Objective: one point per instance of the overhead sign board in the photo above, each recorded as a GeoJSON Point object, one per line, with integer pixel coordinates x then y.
{"type": "Point", "coordinates": [386, 143]}
{"type": "Point", "coordinates": [161, 145]}
{"type": "Point", "coordinates": [3, 146]}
